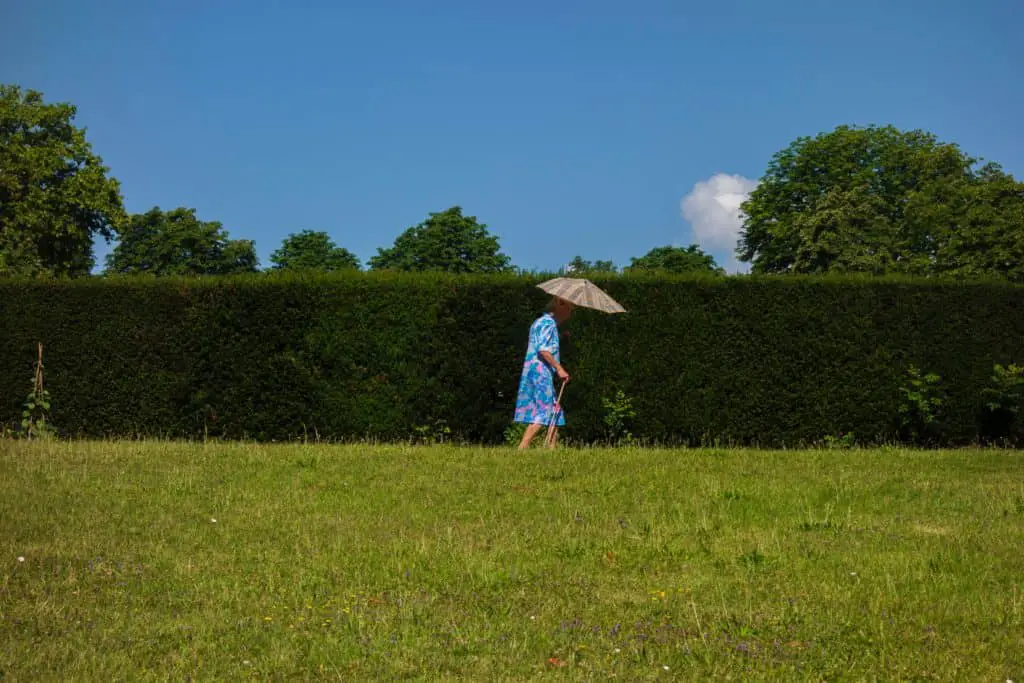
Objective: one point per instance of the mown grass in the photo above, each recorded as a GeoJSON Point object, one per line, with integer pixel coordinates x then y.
{"type": "Point", "coordinates": [147, 561]}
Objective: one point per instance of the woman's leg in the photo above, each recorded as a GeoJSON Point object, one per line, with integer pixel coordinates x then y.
{"type": "Point", "coordinates": [531, 431]}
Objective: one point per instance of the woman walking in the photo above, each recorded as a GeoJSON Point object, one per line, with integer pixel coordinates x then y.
{"type": "Point", "coordinates": [536, 405]}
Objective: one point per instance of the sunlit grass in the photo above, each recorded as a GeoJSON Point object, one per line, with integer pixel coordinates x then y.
{"type": "Point", "coordinates": [219, 562]}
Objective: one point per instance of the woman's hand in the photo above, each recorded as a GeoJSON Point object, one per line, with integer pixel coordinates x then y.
{"type": "Point", "coordinates": [555, 365]}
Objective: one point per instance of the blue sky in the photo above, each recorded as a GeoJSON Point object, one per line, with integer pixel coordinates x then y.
{"type": "Point", "coordinates": [567, 127]}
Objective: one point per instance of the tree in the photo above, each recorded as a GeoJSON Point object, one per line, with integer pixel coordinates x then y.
{"type": "Point", "coordinates": [177, 243]}
{"type": "Point", "coordinates": [676, 260]}
{"type": "Point", "coordinates": [990, 238]}
{"type": "Point", "coordinates": [446, 241]}
{"type": "Point", "coordinates": [55, 195]}
{"type": "Point", "coordinates": [580, 267]}
{"type": "Point", "coordinates": [880, 200]}
{"type": "Point", "coordinates": [311, 250]}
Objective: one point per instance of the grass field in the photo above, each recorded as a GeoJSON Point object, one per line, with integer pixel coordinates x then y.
{"type": "Point", "coordinates": [162, 561]}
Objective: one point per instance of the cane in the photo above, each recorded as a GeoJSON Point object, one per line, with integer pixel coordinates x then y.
{"type": "Point", "coordinates": [550, 438]}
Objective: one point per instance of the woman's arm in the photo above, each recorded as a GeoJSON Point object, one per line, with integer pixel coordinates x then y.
{"type": "Point", "coordinates": [550, 360]}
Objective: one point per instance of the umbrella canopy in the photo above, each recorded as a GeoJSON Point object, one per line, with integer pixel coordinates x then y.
{"type": "Point", "coordinates": [581, 292]}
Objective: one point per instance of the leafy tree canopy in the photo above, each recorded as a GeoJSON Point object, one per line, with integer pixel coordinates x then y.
{"type": "Point", "coordinates": [446, 241]}
{"type": "Point", "coordinates": [55, 195]}
{"type": "Point", "coordinates": [880, 200]}
{"type": "Point", "coordinates": [669, 259]}
{"type": "Point", "coordinates": [580, 267]}
{"type": "Point", "coordinates": [177, 243]}
{"type": "Point", "coordinates": [313, 250]}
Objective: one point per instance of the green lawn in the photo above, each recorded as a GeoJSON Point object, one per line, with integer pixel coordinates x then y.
{"type": "Point", "coordinates": [157, 561]}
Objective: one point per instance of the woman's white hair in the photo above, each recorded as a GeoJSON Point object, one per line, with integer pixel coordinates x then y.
{"type": "Point", "coordinates": [555, 302]}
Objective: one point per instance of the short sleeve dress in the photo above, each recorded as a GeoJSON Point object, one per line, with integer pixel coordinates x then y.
{"type": "Point", "coordinates": [536, 400]}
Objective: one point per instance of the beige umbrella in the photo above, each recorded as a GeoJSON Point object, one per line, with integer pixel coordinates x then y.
{"type": "Point", "coordinates": [581, 292]}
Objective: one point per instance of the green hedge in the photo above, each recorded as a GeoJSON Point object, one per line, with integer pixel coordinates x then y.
{"type": "Point", "coordinates": [769, 361]}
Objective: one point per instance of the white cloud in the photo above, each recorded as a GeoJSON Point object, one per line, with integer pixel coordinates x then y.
{"type": "Point", "coordinates": [713, 209]}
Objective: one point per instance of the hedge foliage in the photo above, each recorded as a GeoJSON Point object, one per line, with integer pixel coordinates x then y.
{"type": "Point", "coordinates": [771, 361]}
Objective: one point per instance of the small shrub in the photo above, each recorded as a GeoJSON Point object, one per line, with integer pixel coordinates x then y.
{"type": "Point", "coordinates": [922, 398]}
{"type": "Point", "coordinates": [1004, 400]}
{"type": "Point", "coordinates": [35, 416]}
{"type": "Point", "coordinates": [514, 433]}
{"type": "Point", "coordinates": [618, 418]}
{"type": "Point", "coordinates": [437, 433]}
{"type": "Point", "coordinates": [843, 441]}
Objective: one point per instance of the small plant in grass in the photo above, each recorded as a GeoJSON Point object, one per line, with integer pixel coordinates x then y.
{"type": "Point", "coordinates": [34, 417]}
{"type": "Point", "coordinates": [919, 410]}
{"type": "Point", "coordinates": [753, 559]}
{"type": "Point", "coordinates": [437, 433]}
{"type": "Point", "coordinates": [1004, 401]}
{"type": "Point", "coordinates": [843, 441]}
{"type": "Point", "coordinates": [514, 433]}
{"type": "Point", "coordinates": [618, 418]}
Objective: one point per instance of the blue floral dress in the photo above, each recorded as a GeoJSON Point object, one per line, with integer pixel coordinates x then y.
{"type": "Point", "coordinates": [536, 400]}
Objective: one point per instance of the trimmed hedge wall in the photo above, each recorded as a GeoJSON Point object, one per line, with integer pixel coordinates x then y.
{"type": "Point", "coordinates": [750, 360]}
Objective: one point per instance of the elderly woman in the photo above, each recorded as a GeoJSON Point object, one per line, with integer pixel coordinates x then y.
{"type": "Point", "coordinates": [535, 405]}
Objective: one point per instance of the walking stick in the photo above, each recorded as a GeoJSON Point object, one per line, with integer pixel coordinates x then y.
{"type": "Point", "coordinates": [549, 440]}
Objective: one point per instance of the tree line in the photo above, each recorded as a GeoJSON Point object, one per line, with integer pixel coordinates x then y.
{"type": "Point", "coordinates": [874, 200]}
